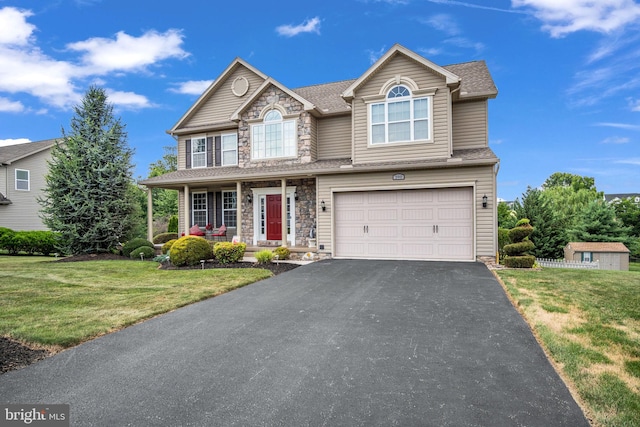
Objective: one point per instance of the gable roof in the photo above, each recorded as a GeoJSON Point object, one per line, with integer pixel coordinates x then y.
{"type": "Point", "coordinates": [397, 49]}
{"type": "Point", "coordinates": [635, 197]}
{"type": "Point", "coordinates": [326, 97]}
{"type": "Point", "coordinates": [476, 79]}
{"type": "Point", "coordinates": [213, 87]}
{"type": "Point", "coordinates": [13, 153]}
{"type": "Point", "coordinates": [597, 247]}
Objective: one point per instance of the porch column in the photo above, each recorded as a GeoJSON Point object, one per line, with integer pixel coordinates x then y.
{"type": "Point", "coordinates": [284, 212]}
{"type": "Point", "coordinates": [149, 215]}
{"type": "Point", "coordinates": [186, 210]}
{"type": "Point", "coordinates": [239, 197]}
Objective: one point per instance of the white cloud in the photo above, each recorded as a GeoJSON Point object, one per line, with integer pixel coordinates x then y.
{"type": "Point", "coordinates": [194, 87]}
{"type": "Point", "coordinates": [634, 104]}
{"type": "Point", "coordinates": [475, 6]}
{"type": "Point", "coordinates": [562, 17]}
{"type": "Point", "coordinates": [374, 55]}
{"type": "Point", "coordinates": [633, 161]}
{"type": "Point", "coordinates": [616, 140]}
{"type": "Point", "coordinates": [443, 22]}
{"type": "Point", "coordinates": [26, 69]}
{"type": "Point", "coordinates": [14, 29]}
{"type": "Point", "coordinates": [128, 100]}
{"type": "Point", "coordinates": [625, 126]}
{"type": "Point", "coordinates": [465, 43]}
{"type": "Point", "coordinates": [309, 26]}
{"type": "Point", "coordinates": [128, 53]}
{"type": "Point", "coordinates": [6, 142]}
{"type": "Point", "coordinates": [6, 105]}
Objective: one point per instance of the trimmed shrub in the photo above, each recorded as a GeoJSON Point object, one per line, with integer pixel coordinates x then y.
{"type": "Point", "coordinates": [5, 230]}
{"type": "Point", "coordinates": [167, 246]}
{"type": "Point", "coordinates": [189, 250]}
{"type": "Point", "coordinates": [149, 253]}
{"type": "Point", "coordinates": [135, 244]}
{"type": "Point", "coordinates": [524, 261]}
{"type": "Point", "coordinates": [173, 224]}
{"type": "Point", "coordinates": [227, 252]}
{"type": "Point", "coordinates": [282, 252]}
{"type": "Point", "coordinates": [164, 237]}
{"type": "Point", "coordinates": [519, 248]}
{"type": "Point", "coordinates": [518, 234]}
{"type": "Point", "coordinates": [503, 240]}
{"type": "Point", "coordinates": [30, 242]}
{"type": "Point", "coordinates": [264, 256]}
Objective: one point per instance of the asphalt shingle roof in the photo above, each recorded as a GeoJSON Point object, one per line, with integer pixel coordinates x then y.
{"type": "Point", "coordinates": [12, 153]}
{"type": "Point", "coordinates": [598, 247]}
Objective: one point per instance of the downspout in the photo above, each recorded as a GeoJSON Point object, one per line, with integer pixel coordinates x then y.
{"type": "Point", "coordinates": [451, 92]}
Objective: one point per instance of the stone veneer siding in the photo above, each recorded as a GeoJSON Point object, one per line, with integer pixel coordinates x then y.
{"type": "Point", "coordinates": [272, 95]}
{"type": "Point", "coordinates": [305, 208]}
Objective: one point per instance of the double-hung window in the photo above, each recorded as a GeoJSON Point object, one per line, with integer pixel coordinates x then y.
{"type": "Point", "coordinates": [229, 149]}
{"type": "Point", "coordinates": [199, 152]}
{"type": "Point", "coordinates": [199, 209]}
{"type": "Point", "coordinates": [229, 208]}
{"type": "Point", "coordinates": [400, 118]}
{"type": "Point", "coordinates": [275, 137]}
{"type": "Point", "coordinates": [22, 180]}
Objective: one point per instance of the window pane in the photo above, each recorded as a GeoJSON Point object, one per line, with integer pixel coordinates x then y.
{"type": "Point", "coordinates": [399, 132]}
{"type": "Point", "coordinates": [398, 91]}
{"type": "Point", "coordinates": [199, 160]}
{"type": "Point", "coordinates": [22, 175]}
{"type": "Point", "coordinates": [199, 145]}
{"type": "Point", "coordinates": [229, 204]}
{"type": "Point", "coordinates": [229, 142]}
{"type": "Point", "coordinates": [258, 142]}
{"type": "Point", "coordinates": [229, 158]}
{"type": "Point", "coordinates": [22, 185]}
{"type": "Point", "coordinates": [420, 107]}
{"type": "Point", "coordinates": [377, 113]}
{"type": "Point", "coordinates": [399, 111]}
{"type": "Point", "coordinates": [272, 115]}
{"type": "Point", "coordinates": [377, 134]}
{"type": "Point", "coordinates": [199, 208]}
{"type": "Point", "coordinates": [289, 138]}
{"type": "Point", "coordinates": [421, 129]}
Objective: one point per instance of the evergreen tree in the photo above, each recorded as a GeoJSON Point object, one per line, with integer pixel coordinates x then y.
{"type": "Point", "coordinates": [598, 223]}
{"type": "Point", "coordinates": [548, 234]}
{"type": "Point", "coordinates": [165, 202]}
{"type": "Point", "coordinates": [87, 198]}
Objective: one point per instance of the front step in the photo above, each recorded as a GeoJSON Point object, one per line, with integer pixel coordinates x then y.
{"type": "Point", "coordinates": [297, 252]}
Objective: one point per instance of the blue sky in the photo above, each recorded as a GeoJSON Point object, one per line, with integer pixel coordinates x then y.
{"type": "Point", "coordinates": [568, 72]}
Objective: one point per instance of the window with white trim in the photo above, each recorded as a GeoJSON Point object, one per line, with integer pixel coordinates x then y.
{"type": "Point", "coordinates": [199, 209]}
{"type": "Point", "coordinates": [229, 208]}
{"type": "Point", "coordinates": [400, 118]}
{"type": "Point", "coordinates": [275, 137]}
{"type": "Point", "coordinates": [22, 180]}
{"type": "Point", "coordinates": [229, 149]}
{"type": "Point", "coordinates": [199, 152]}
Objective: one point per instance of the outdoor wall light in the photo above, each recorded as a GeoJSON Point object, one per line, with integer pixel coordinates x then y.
{"type": "Point", "coordinates": [323, 206]}
{"type": "Point", "coordinates": [295, 195]}
{"type": "Point", "coordinates": [484, 201]}
{"type": "Point", "coordinates": [249, 198]}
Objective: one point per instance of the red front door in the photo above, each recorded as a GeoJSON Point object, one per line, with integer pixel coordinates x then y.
{"type": "Point", "coordinates": [274, 217]}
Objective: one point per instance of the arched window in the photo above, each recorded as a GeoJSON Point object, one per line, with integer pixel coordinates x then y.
{"type": "Point", "coordinates": [400, 118]}
{"type": "Point", "coordinates": [275, 137]}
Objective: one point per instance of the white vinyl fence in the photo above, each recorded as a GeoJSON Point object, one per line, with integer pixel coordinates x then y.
{"type": "Point", "coordinates": [554, 263]}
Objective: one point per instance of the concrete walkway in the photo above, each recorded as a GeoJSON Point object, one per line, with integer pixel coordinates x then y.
{"type": "Point", "coordinates": [336, 343]}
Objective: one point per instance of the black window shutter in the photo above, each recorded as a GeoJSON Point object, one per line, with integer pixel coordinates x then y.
{"type": "Point", "coordinates": [218, 151]}
{"type": "Point", "coordinates": [188, 151]}
{"type": "Point", "coordinates": [219, 219]}
{"type": "Point", "coordinates": [209, 151]}
{"type": "Point", "coordinates": [210, 218]}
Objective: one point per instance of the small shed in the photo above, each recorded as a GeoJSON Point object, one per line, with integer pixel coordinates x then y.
{"type": "Point", "coordinates": [610, 255]}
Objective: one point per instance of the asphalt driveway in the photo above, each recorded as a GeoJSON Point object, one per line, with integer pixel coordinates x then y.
{"type": "Point", "coordinates": [336, 343]}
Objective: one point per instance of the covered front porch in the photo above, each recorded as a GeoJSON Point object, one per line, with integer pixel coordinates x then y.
{"type": "Point", "coordinates": [258, 213]}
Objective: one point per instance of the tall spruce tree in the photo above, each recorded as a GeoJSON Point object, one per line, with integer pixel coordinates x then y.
{"type": "Point", "coordinates": [548, 235]}
{"type": "Point", "coordinates": [87, 198]}
{"type": "Point", "coordinates": [598, 223]}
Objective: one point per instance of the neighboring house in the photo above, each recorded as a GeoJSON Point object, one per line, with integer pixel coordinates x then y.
{"type": "Point", "coordinates": [610, 255]}
{"type": "Point", "coordinates": [22, 177]}
{"type": "Point", "coordinates": [612, 198]}
{"type": "Point", "coordinates": [392, 165]}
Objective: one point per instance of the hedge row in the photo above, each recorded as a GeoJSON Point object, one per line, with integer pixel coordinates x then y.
{"type": "Point", "coordinates": [30, 242]}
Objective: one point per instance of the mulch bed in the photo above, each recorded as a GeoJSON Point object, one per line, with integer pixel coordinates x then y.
{"type": "Point", "coordinates": [15, 355]}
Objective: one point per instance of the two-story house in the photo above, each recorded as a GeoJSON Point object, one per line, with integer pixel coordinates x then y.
{"type": "Point", "coordinates": [392, 165]}
{"type": "Point", "coordinates": [22, 178]}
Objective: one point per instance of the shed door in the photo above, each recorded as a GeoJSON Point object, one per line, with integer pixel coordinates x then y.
{"type": "Point", "coordinates": [434, 224]}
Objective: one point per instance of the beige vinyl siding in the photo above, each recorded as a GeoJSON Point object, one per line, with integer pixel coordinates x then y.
{"type": "Point", "coordinates": [470, 125]}
{"type": "Point", "coordinates": [314, 138]}
{"type": "Point", "coordinates": [334, 138]}
{"type": "Point", "coordinates": [23, 213]}
{"type": "Point", "coordinates": [222, 103]}
{"type": "Point", "coordinates": [182, 160]}
{"type": "Point", "coordinates": [481, 176]}
{"type": "Point", "coordinates": [424, 78]}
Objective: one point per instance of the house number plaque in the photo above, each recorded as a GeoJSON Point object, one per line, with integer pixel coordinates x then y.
{"type": "Point", "coordinates": [398, 177]}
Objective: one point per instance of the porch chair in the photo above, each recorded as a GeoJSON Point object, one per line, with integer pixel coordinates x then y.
{"type": "Point", "coordinates": [221, 234]}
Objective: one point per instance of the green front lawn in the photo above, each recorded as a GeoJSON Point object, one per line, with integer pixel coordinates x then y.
{"type": "Point", "coordinates": [589, 323]}
{"type": "Point", "coordinates": [63, 304]}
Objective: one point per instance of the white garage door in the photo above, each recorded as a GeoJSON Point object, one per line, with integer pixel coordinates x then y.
{"type": "Point", "coordinates": [434, 224]}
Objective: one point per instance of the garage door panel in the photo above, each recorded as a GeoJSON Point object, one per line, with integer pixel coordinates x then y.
{"type": "Point", "coordinates": [405, 224]}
